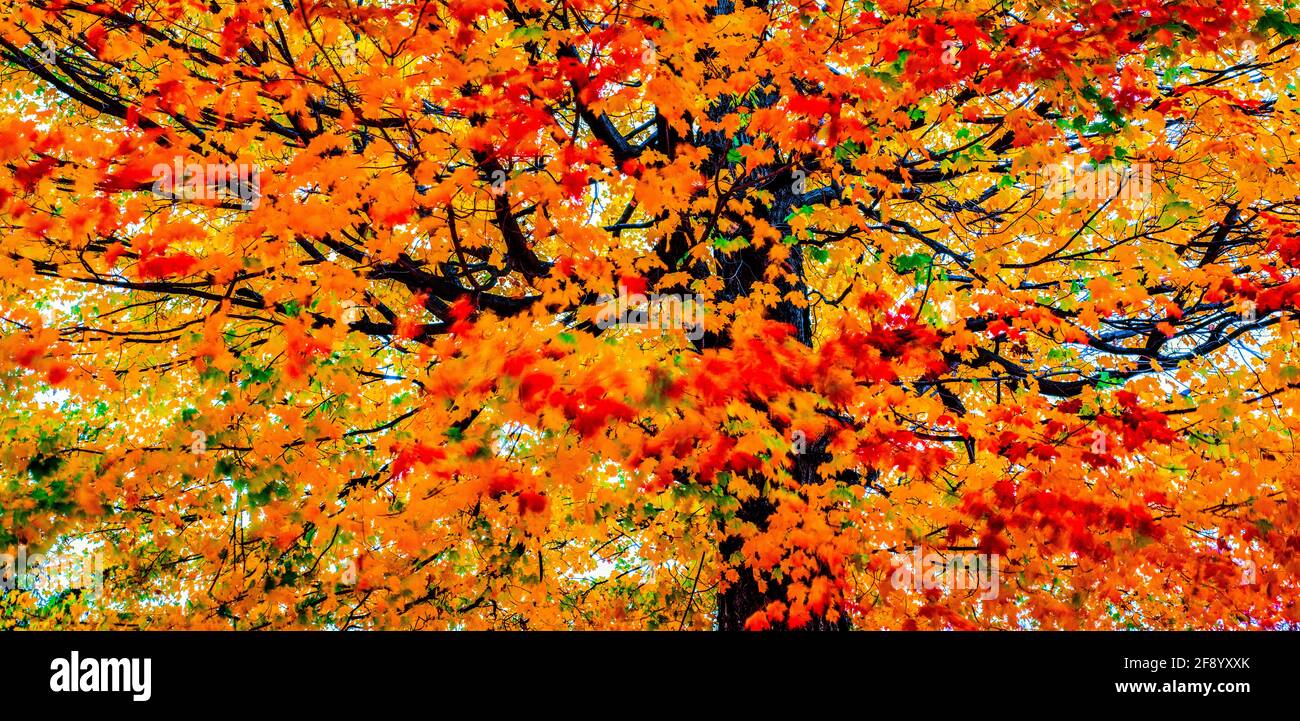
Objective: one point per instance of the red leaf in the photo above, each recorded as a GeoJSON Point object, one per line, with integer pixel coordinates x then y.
{"type": "Point", "coordinates": [632, 284]}
{"type": "Point", "coordinates": [56, 374]}
{"type": "Point", "coordinates": [115, 251]}
{"type": "Point", "coordinates": [32, 174]}
{"type": "Point", "coordinates": [95, 38]}
{"type": "Point", "coordinates": [531, 502]}
{"type": "Point", "coordinates": [165, 266]}
{"type": "Point", "coordinates": [533, 384]}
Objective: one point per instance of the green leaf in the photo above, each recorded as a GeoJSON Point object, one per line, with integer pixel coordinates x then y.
{"type": "Point", "coordinates": [1177, 210]}
{"type": "Point", "coordinates": [1276, 20]}
{"type": "Point", "coordinates": [42, 466]}
{"type": "Point", "coordinates": [911, 262]}
{"type": "Point", "coordinates": [527, 32]}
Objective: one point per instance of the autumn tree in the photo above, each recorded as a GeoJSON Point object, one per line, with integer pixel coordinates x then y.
{"type": "Point", "coordinates": [306, 311]}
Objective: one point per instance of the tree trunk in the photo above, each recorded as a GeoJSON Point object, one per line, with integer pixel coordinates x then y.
{"type": "Point", "coordinates": [743, 598]}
